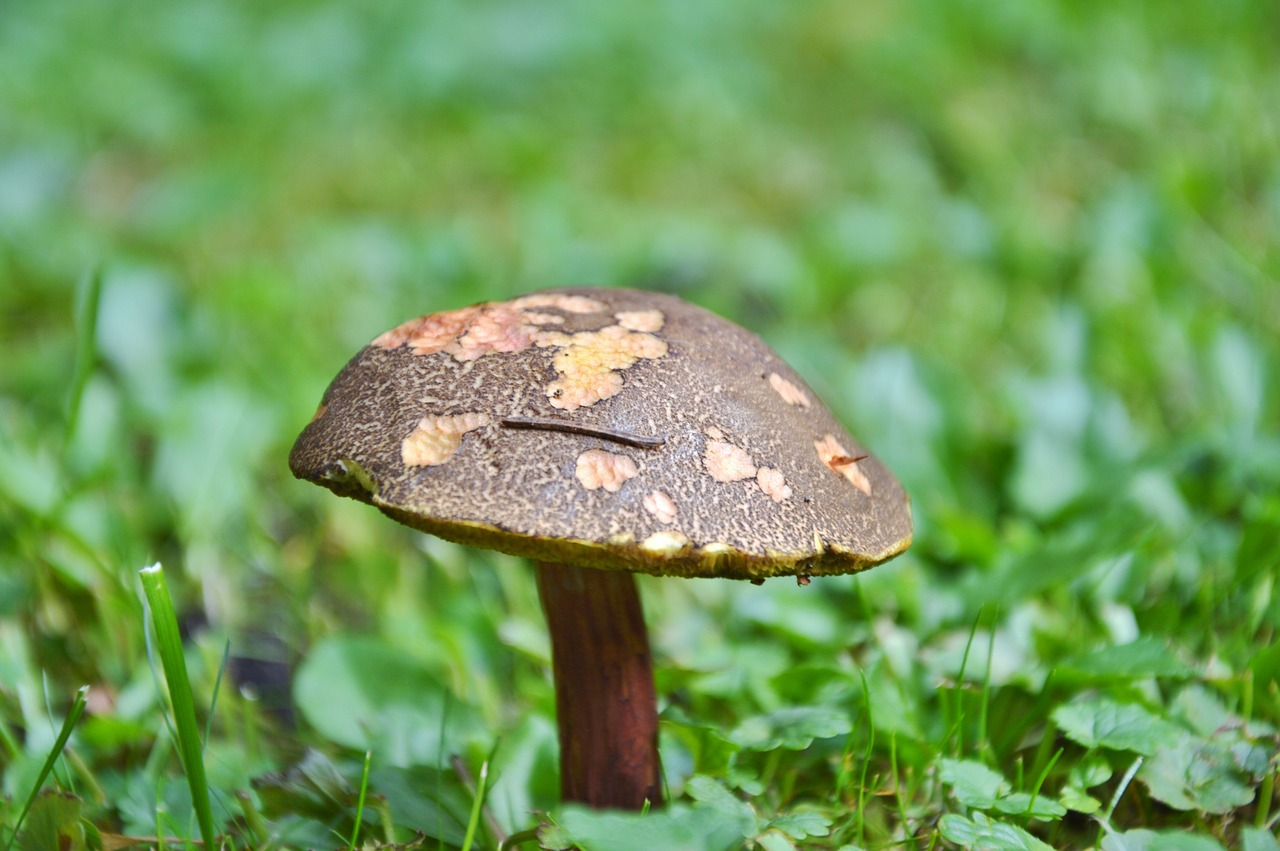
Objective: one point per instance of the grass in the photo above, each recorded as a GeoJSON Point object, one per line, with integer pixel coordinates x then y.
{"type": "Point", "coordinates": [185, 728]}
{"type": "Point", "coordinates": [64, 734]}
{"type": "Point", "coordinates": [1026, 251]}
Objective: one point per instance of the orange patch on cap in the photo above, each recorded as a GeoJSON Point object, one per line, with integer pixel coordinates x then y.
{"type": "Point", "coordinates": [599, 469]}
{"type": "Point", "coordinates": [835, 457]}
{"type": "Point", "coordinates": [472, 332]}
{"type": "Point", "coordinates": [790, 393]}
{"type": "Point", "coordinates": [497, 328]}
{"type": "Point", "coordinates": [543, 318]}
{"type": "Point", "coordinates": [660, 506]}
{"type": "Point", "coordinates": [428, 334]}
{"type": "Point", "coordinates": [588, 362]}
{"type": "Point", "coordinates": [726, 462]}
{"type": "Point", "coordinates": [567, 303]}
{"type": "Point", "coordinates": [467, 333]}
{"type": "Point", "coordinates": [435, 439]}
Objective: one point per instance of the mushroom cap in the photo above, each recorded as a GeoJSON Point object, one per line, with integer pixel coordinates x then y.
{"type": "Point", "coordinates": [605, 428]}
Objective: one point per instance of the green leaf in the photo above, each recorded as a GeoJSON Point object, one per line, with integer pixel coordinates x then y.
{"type": "Point", "coordinates": [1089, 772]}
{"type": "Point", "coordinates": [524, 773]}
{"type": "Point", "coordinates": [802, 825]}
{"type": "Point", "coordinates": [1202, 710]}
{"type": "Point", "coordinates": [1149, 840]}
{"type": "Point", "coordinates": [675, 828]}
{"type": "Point", "coordinates": [53, 822]}
{"type": "Point", "coordinates": [1065, 556]}
{"type": "Point", "coordinates": [1265, 666]}
{"type": "Point", "coordinates": [1050, 469]}
{"type": "Point", "coordinates": [1259, 550]}
{"type": "Point", "coordinates": [553, 837]}
{"type": "Point", "coordinates": [774, 840]}
{"type": "Point", "coordinates": [983, 833]}
{"type": "Point", "coordinates": [92, 836]}
{"type": "Point", "coordinates": [974, 784]}
{"type": "Point", "coordinates": [1132, 840]}
{"type": "Point", "coordinates": [1237, 378]}
{"type": "Point", "coordinates": [979, 787]}
{"type": "Point", "coordinates": [314, 787]}
{"type": "Point", "coordinates": [710, 793]}
{"type": "Point", "coordinates": [148, 806]}
{"type": "Point", "coordinates": [1146, 657]}
{"type": "Point", "coordinates": [360, 693]}
{"type": "Point", "coordinates": [794, 728]}
{"type": "Point", "coordinates": [1195, 776]}
{"type": "Point", "coordinates": [712, 753]}
{"type": "Point", "coordinates": [1076, 800]}
{"type": "Point", "coordinates": [426, 799]}
{"type": "Point", "coordinates": [816, 683]}
{"type": "Point", "coordinates": [744, 780]}
{"type": "Point", "coordinates": [1257, 839]}
{"type": "Point", "coordinates": [1040, 807]}
{"type": "Point", "coordinates": [1102, 722]}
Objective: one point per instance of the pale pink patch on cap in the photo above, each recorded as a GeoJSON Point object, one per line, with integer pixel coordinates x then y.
{"type": "Point", "coordinates": [726, 462]}
{"type": "Point", "coordinates": [660, 506]}
{"type": "Point", "coordinates": [599, 469]}
{"type": "Point", "coordinates": [790, 393]}
{"type": "Point", "coordinates": [837, 458]}
{"type": "Point", "coordinates": [435, 439]}
{"type": "Point", "coordinates": [772, 482]}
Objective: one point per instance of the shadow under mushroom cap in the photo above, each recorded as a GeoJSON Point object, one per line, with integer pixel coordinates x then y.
{"type": "Point", "coordinates": [604, 428]}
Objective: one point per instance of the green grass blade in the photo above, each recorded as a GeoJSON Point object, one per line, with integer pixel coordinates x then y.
{"type": "Point", "coordinates": [473, 822]}
{"type": "Point", "coordinates": [169, 644]}
{"type": "Point", "coordinates": [62, 779]}
{"type": "Point", "coordinates": [1121, 789]}
{"type": "Point", "coordinates": [866, 759]}
{"type": "Point", "coordinates": [86, 347]}
{"type": "Point", "coordinates": [364, 788]}
{"type": "Point", "coordinates": [957, 691]}
{"type": "Point", "coordinates": [1043, 776]}
{"type": "Point", "coordinates": [254, 822]}
{"type": "Point", "coordinates": [983, 744]}
{"type": "Point", "coordinates": [217, 689]}
{"type": "Point", "coordinates": [68, 724]}
{"type": "Point", "coordinates": [9, 741]}
{"type": "Point", "coordinates": [1263, 813]}
{"type": "Point", "coordinates": [444, 724]}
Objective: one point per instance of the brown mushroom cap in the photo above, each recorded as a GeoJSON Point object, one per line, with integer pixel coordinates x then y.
{"type": "Point", "coordinates": [605, 428]}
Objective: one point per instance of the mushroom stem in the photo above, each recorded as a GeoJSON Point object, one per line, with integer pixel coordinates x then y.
{"type": "Point", "coordinates": [606, 705]}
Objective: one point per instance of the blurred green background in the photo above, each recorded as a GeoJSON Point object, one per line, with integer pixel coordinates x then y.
{"type": "Point", "coordinates": [1026, 250]}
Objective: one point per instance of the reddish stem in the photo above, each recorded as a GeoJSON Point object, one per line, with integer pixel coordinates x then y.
{"type": "Point", "coordinates": [606, 706]}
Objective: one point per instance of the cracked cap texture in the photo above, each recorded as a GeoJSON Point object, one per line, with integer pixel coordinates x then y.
{"type": "Point", "coordinates": [605, 428]}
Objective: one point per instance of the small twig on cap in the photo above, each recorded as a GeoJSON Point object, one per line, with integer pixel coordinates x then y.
{"type": "Point", "coordinates": [639, 441]}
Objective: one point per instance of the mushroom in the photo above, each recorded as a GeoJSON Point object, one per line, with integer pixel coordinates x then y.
{"type": "Point", "coordinates": [600, 433]}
